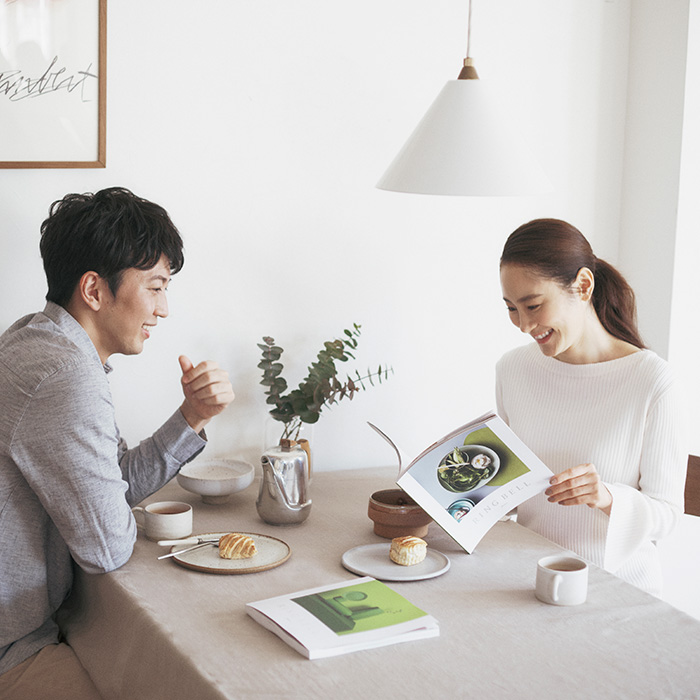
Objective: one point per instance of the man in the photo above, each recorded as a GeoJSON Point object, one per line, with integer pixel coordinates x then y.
{"type": "Point", "coordinates": [67, 480]}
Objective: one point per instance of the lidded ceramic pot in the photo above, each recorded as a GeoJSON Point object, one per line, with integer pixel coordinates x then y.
{"type": "Point", "coordinates": [396, 514]}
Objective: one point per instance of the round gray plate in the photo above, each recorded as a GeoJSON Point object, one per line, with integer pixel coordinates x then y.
{"type": "Point", "coordinates": [373, 560]}
{"type": "Point", "coordinates": [271, 553]}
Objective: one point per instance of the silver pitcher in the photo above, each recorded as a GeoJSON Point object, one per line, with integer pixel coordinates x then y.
{"type": "Point", "coordinates": [283, 497]}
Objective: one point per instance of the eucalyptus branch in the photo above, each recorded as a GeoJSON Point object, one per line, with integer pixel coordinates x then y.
{"type": "Point", "coordinates": [320, 388]}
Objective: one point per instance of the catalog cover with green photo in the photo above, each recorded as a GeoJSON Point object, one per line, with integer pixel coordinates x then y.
{"type": "Point", "coordinates": [343, 617]}
{"type": "Point", "coordinates": [471, 478]}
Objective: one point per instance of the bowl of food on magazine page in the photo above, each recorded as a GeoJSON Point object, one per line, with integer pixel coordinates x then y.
{"type": "Point", "coordinates": [468, 467]}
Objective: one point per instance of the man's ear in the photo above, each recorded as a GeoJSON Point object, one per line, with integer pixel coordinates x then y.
{"type": "Point", "coordinates": [92, 290]}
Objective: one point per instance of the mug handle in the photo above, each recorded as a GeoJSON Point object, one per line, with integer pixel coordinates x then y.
{"type": "Point", "coordinates": [554, 588]}
{"type": "Point", "coordinates": [139, 511]}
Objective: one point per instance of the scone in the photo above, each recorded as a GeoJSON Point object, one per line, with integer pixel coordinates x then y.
{"type": "Point", "coordinates": [233, 545]}
{"type": "Point", "coordinates": [408, 550]}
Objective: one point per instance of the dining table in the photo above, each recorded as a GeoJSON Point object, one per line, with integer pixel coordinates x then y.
{"type": "Point", "coordinates": [157, 629]}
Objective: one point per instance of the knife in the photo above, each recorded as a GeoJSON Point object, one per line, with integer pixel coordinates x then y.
{"type": "Point", "coordinates": [187, 540]}
{"type": "Point", "coordinates": [189, 549]}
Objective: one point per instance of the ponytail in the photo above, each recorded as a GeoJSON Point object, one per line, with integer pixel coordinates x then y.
{"type": "Point", "coordinates": [614, 303]}
{"type": "Point", "coordinates": [557, 250]}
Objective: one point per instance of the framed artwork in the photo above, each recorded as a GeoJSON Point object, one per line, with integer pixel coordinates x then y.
{"type": "Point", "coordinates": [53, 59]}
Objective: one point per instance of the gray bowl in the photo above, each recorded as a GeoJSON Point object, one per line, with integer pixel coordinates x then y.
{"type": "Point", "coordinates": [216, 479]}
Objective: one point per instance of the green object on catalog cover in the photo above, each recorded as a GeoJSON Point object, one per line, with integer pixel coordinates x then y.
{"type": "Point", "coordinates": [360, 607]}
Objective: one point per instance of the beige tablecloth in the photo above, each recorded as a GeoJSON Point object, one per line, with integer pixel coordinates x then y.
{"type": "Point", "coordinates": [153, 629]}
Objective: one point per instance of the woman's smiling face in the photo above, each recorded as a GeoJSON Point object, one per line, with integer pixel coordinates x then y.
{"type": "Point", "coordinates": [556, 317]}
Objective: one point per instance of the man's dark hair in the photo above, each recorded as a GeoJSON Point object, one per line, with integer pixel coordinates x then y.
{"type": "Point", "coordinates": [107, 233]}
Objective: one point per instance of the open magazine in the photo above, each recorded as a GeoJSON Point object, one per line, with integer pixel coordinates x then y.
{"type": "Point", "coordinates": [343, 617]}
{"type": "Point", "coordinates": [471, 478]}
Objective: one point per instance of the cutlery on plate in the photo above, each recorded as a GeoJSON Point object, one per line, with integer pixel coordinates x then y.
{"type": "Point", "coordinates": [189, 549]}
{"type": "Point", "coordinates": [187, 540]}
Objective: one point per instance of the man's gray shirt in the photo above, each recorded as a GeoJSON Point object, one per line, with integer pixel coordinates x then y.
{"type": "Point", "coordinates": [67, 479]}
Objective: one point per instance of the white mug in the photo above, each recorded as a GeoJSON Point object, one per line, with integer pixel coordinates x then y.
{"type": "Point", "coordinates": [166, 520]}
{"type": "Point", "coordinates": [561, 580]}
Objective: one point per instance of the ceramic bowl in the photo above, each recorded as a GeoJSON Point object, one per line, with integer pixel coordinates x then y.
{"type": "Point", "coordinates": [396, 514]}
{"type": "Point", "coordinates": [216, 479]}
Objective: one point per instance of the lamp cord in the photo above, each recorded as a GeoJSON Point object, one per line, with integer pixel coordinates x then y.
{"type": "Point", "coordinates": [468, 71]}
{"type": "Point", "coordinates": [469, 28]}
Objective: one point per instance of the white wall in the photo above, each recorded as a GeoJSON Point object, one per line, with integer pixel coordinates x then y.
{"type": "Point", "coordinates": [654, 129]}
{"type": "Point", "coordinates": [679, 551]}
{"type": "Point", "coordinates": [263, 127]}
{"type": "Point", "coordinates": [684, 339]}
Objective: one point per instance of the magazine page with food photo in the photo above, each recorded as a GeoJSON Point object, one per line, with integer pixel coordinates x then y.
{"type": "Point", "coordinates": [473, 477]}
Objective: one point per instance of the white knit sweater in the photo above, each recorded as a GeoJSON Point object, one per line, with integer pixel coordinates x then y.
{"type": "Point", "coordinates": [623, 417]}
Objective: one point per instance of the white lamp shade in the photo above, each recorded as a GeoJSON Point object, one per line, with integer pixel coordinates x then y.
{"type": "Point", "coordinates": [463, 146]}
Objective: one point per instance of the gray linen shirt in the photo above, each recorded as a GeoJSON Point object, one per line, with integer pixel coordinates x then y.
{"type": "Point", "coordinates": [67, 479]}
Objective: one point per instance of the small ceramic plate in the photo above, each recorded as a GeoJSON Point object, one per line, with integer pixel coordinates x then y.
{"type": "Point", "coordinates": [271, 553]}
{"type": "Point", "coordinates": [373, 560]}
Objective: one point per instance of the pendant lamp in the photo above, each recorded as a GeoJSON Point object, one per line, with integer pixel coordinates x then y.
{"type": "Point", "coordinates": [465, 146]}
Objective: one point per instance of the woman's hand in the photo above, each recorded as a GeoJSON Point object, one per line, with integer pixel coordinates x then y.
{"type": "Point", "coordinates": [580, 485]}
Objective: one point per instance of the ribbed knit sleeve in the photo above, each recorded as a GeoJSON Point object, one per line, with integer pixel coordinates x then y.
{"type": "Point", "coordinates": [651, 511]}
{"type": "Point", "coordinates": [621, 416]}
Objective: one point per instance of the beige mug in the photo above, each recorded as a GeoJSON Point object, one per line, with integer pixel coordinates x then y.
{"type": "Point", "coordinates": [561, 580]}
{"type": "Point", "coordinates": [166, 520]}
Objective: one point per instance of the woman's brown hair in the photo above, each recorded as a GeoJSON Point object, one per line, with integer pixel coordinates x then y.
{"type": "Point", "coordinates": [557, 250]}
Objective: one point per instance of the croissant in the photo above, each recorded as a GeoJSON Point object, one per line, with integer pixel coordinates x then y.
{"type": "Point", "coordinates": [236, 546]}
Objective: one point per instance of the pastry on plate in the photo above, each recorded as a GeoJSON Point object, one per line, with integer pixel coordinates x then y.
{"type": "Point", "coordinates": [408, 550]}
{"type": "Point", "coordinates": [233, 545]}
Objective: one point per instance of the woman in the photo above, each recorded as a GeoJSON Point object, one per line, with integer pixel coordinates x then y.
{"type": "Point", "coordinates": [594, 405]}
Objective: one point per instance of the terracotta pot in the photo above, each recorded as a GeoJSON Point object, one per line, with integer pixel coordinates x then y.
{"type": "Point", "coordinates": [396, 514]}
